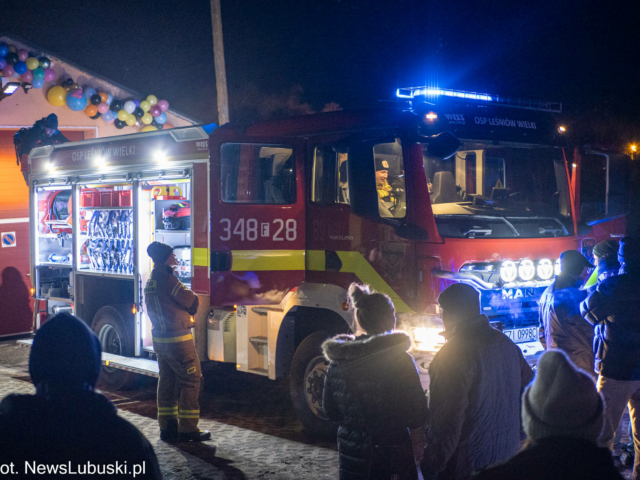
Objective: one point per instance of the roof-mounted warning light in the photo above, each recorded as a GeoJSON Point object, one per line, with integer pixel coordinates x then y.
{"type": "Point", "coordinates": [546, 106]}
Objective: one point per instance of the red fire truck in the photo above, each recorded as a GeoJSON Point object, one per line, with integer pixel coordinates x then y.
{"type": "Point", "coordinates": [273, 221]}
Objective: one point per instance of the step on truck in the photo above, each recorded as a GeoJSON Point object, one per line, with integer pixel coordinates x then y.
{"type": "Point", "coordinates": [271, 223]}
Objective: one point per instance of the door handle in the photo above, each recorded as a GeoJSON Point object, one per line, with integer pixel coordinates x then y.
{"type": "Point", "coordinates": [220, 261]}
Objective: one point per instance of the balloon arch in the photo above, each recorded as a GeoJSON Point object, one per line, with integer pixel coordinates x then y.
{"type": "Point", "coordinates": [36, 70]}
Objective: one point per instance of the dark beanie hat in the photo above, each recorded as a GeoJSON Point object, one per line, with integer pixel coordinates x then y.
{"type": "Point", "coordinates": [606, 254]}
{"type": "Point", "coordinates": [573, 262]}
{"type": "Point", "coordinates": [51, 121]}
{"type": "Point", "coordinates": [460, 300]}
{"type": "Point", "coordinates": [159, 252]}
{"type": "Point", "coordinates": [381, 164]}
{"type": "Point", "coordinates": [629, 252]}
{"type": "Point", "coordinates": [65, 354]}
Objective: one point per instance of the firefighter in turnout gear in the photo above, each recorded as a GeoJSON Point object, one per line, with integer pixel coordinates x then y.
{"type": "Point", "coordinates": [171, 306]}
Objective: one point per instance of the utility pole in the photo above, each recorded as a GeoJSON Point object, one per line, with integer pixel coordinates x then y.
{"type": "Point", "coordinates": [218, 56]}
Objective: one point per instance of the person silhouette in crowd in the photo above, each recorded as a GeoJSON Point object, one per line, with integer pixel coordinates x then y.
{"type": "Point", "coordinates": [562, 415]}
{"type": "Point", "coordinates": [15, 310]}
{"type": "Point", "coordinates": [606, 256]}
{"type": "Point", "coordinates": [476, 381]}
{"type": "Point", "coordinates": [67, 422]}
{"type": "Point", "coordinates": [613, 309]}
{"type": "Point", "coordinates": [372, 388]}
{"type": "Point", "coordinates": [560, 317]}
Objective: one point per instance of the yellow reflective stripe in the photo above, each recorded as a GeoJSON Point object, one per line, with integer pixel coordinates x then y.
{"type": "Point", "coordinates": [354, 262]}
{"type": "Point", "coordinates": [315, 260]}
{"type": "Point", "coordinates": [176, 289]}
{"type": "Point", "coordinates": [189, 411]}
{"type": "Point", "coordinates": [189, 416]}
{"type": "Point", "coordinates": [267, 260]}
{"type": "Point", "coordinates": [165, 409]}
{"type": "Point", "coordinates": [167, 414]}
{"type": "Point", "coordinates": [173, 339]}
{"type": "Point", "coordinates": [200, 257]}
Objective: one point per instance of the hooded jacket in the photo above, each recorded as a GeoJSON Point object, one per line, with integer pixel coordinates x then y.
{"type": "Point", "coordinates": [373, 390]}
{"type": "Point", "coordinates": [564, 327]}
{"type": "Point", "coordinates": [613, 309]}
{"type": "Point", "coordinates": [77, 427]}
{"type": "Point", "coordinates": [476, 382]}
{"type": "Point", "coordinates": [169, 303]}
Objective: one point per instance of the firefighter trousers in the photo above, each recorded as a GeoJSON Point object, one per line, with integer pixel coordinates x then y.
{"type": "Point", "coordinates": [179, 383]}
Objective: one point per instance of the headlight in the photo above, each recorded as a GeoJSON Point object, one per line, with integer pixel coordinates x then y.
{"type": "Point", "coordinates": [558, 267]}
{"type": "Point", "coordinates": [526, 270]}
{"type": "Point", "coordinates": [428, 338]}
{"type": "Point", "coordinates": [545, 269]}
{"type": "Point", "coordinates": [508, 271]}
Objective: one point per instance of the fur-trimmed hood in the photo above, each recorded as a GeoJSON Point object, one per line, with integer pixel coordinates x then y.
{"type": "Point", "coordinates": [345, 348]}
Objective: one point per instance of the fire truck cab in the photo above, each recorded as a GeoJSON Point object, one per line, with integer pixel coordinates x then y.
{"type": "Point", "coordinates": [285, 214]}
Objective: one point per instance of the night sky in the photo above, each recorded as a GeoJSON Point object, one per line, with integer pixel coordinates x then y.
{"type": "Point", "coordinates": [295, 56]}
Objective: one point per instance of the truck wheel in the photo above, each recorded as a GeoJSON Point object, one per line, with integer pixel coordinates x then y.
{"type": "Point", "coordinates": [114, 329]}
{"type": "Point", "coordinates": [308, 370]}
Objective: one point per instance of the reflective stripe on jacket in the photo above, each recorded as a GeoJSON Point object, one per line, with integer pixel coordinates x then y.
{"type": "Point", "coordinates": [170, 304]}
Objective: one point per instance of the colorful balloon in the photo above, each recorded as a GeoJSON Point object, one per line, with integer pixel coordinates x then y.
{"type": "Point", "coordinates": [8, 71]}
{"type": "Point", "coordinates": [155, 111]}
{"type": "Point", "coordinates": [11, 58]}
{"type": "Point", "coordinates": [3, 63]}
{"type": "Point", "coordinates": [20, 68]}
{"type": "Point", "coordinates": [131, 120]}
{"type": "Point", "coordinates": [32, 63]}
{"type": "Point", "coordinates": [3, 50]}
{"type": "Point", "coordinates": [104, 96]}
{"type": "Point", "coordinates": [122, 114]}
{"type": "Point", "coordinates": [27, 76]}
{"type": "Point", "coordinates": [129, 106]}
{"type": "Point", "coordinates": [148, 128]}
{"type": "Point", "coordinates": [137, 102]}
{"type": "Point", "coordinates": [23, 55]}
{"type": "Point", "coordinates": [103, 108]}
{"type": "Point", "coordinates": [56, 96]}
{"type": "Point", "coordinates": [49, 74]}
{"type": "Point", "coordinates": [91, 110]}
{"type": "Point", "coordinates": [108, 116]}
{"type": "Point", "coordinates": [94, 99]}
{"type": "Point", "coordinates": [138, 112]}
{"type": "Point", "coordinates": [38, 73]}
{"type": "Point", "coordinates": [116, 105]}
{"type": "Point", "coordinates": [119, 124]}
{"type": "Point", "coordinates": [44, 62]}
{"type": "Point", "coordinates": [76, 100]}
{"type": "Point", "coordinates": [145, 105]}
{"type": "Point", "coordinates": [109, 99]}
{"type": "Point", "coordinates": [164, 105]}
{"type": "Point", "coordinates": [12, 48]}
{"type": "Point", "coordinates": [146, 118]}
{"type": "Point", "coordinates": [96, 116]}
{"type": "Point", "coordinates": [90, 92]}
{"type": "Point", "coordinates": [152, 99]}
{"type": "Point", "coordinates": [37, 83]}
{"type": "Point", "coordinates": [162, 118]}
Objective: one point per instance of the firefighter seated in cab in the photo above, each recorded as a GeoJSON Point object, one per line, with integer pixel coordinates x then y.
{"type": "Point", "coordinates": [391, 199]}
{"type": "Point", "coordinates": [171, 306]}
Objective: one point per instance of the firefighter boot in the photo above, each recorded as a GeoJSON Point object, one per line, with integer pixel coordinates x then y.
{"type": "Point", "coordinates": [169, 433]}
{"type": "Point", "coordinates": [197, 436]}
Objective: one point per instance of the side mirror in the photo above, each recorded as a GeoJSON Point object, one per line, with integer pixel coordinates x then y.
{"type": "Point", "coordinates": [444, 145]}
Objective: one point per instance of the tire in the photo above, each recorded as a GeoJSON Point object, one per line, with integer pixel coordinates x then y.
{"type": "Point", "coordinates": [115, 330]}
{"type": "Point", "coordinates": [308, 370]}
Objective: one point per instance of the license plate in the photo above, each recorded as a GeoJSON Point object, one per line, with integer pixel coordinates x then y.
{"type": "Point", "coordinates": [520, 335]}
{"type": "Point", "coordinates": [181, 268]}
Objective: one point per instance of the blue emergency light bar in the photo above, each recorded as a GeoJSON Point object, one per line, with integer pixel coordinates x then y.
{"type": "Point", "coordinates": [413, 92]}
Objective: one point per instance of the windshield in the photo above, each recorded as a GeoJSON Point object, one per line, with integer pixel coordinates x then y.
{"type": "Point", "coordinates": [500, 192]}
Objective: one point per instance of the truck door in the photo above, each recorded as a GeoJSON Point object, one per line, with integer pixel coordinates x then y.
{"type": "Point", "coordinates": [257, 246]}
